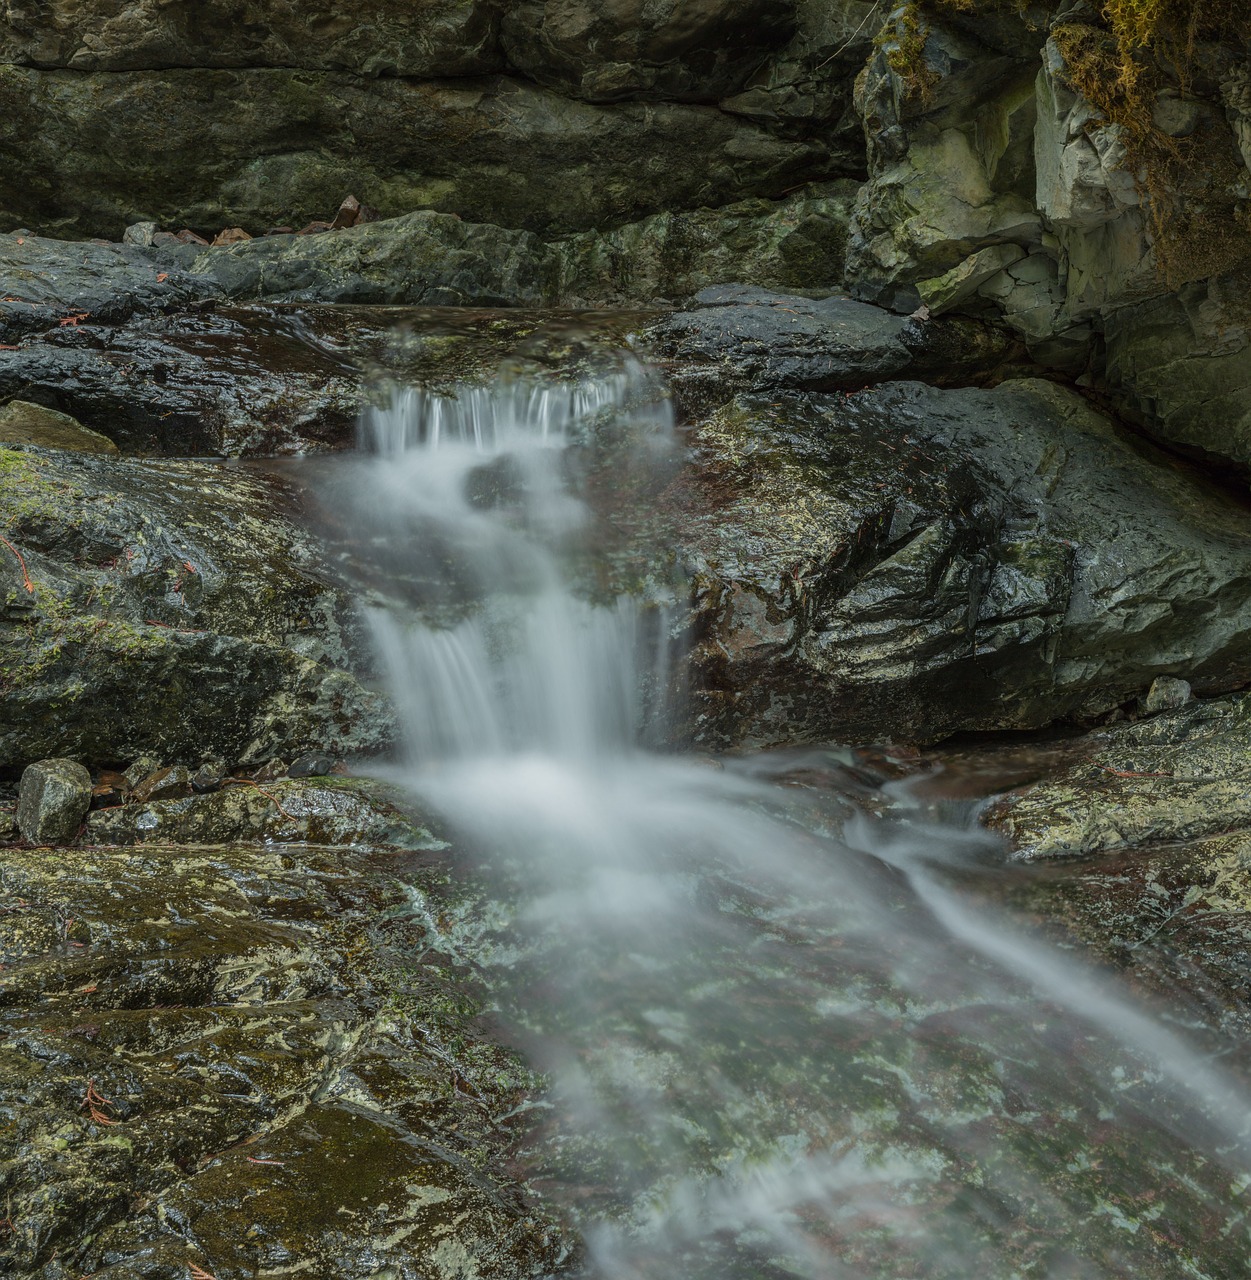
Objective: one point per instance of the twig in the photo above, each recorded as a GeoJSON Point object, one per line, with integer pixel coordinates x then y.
{"type": "Point", "coordinates": [269, 795]}
{"type": "Point", "coordinates": [26, 582]}
{"type": "Point", "coordinates": [842, 48]}
{"type": "Point", "coordinates": [1127, 773]}
{"type": "Point", "coordinates": [259, 1160]}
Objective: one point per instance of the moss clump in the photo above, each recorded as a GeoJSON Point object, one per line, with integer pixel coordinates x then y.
{"type": "Point", "coordinates": [903, 45]}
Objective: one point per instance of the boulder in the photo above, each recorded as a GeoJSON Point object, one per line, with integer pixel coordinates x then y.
{"type": "Point", "coordinates": [910, 562]}
{"type": "Point", "coordinates": [24, 423]}
{"type": "Point", "coordinates": [434, 38]}
{"type": "Point", "coordinates": [207, 149]}
{"type": "Point", "coordinates": [739, 338]}
{"type": "Point", "coordinates": [698, 50]}
{"type": "Point", "coordinates": [167, 609]}
{"type": "Point", "coordinates": [52, 801]}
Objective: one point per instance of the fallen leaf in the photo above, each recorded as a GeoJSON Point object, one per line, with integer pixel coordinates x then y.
{"type": "Point", "coordinates": [164, 275]}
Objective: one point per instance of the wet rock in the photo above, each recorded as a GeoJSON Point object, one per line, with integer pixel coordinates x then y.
{"type": "Point", "coordinates": [312, 765]}
{"type": "Point", "coordinates": [142, 768]}
{"type": "Point", "coordinates": [338, 811]}
{"type": "Point", "coordinates": [165, 784]}
{"type": "Point", "coordinates": [172, 613]}
{"type": "Point", "coordinates": [1178, 776]}
{"type": "Point", "coordinates": [52, 801]}
{"type": "Point", "coordinates": [699, 51]}
{"type": "Point", "coordinates": [1167, 693]}
{"type": "Point", "coordinates": [906, 562]}
{"type": "Point", "coordinates": [24, 423]}
{"type": "Point", "coordinates": [208, 777]}
{"type": "Point", "coordinates": [466, 147]}
{"type": "Point", "coordinates": [44, 281]}
{"type": "Point", "coordinates": [742, 338]}
{"type": "Point", "coordinates": [283, 1083]}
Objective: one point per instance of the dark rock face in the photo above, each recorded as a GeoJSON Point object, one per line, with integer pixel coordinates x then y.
{"type": "Point", "coordinates": [208, 149]}
{"type": "Point", "coordinates": [169, 610]}
{"type": "Point", "coordinates": [378, 37]}
{"type": "Point", "coordinates": [52, 801]}
{"type": "Point", "coordinates": [603, 50]}
{"type": "Point", "coordinates": [906, 561]}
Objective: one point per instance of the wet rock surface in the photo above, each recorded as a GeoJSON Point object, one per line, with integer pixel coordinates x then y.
{"type": "Point", "coordinates": [52, 801]}
{"type": "Point", "coordinates": [1181, 775]}
{"type": "Point", "coordinates": [937, 560]}
{"type": "Point", "coordinates": [242, 1059]}
{"type": "Point", "coordinates": [166, 608]}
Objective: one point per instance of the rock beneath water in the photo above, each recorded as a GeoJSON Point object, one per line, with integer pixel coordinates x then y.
{"type": "Point", "coordinates": [171, 612]}
{"type": "Point", "coordinates": [1178, 776]}
{"type": "Point", "coordinates": [700, 50]}
{"type": "Point", "coordinates": [908, 562]}
{"type": "Point", "coordinates": [279, 1081]}
{"type": "Point", "coordinates": [52, 801]}
{"type": "Point", "coordinates": [339, 811]}
{"type": "Point", "coordinates": [24, 423]}
{"type": "Point", "coordinates": [741, 339]}
{"type": "Point", "coordinates": [466, 147]}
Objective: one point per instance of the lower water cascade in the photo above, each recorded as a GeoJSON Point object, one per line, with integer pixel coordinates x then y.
{"type": "Point", "coordinates": [785, 1030]}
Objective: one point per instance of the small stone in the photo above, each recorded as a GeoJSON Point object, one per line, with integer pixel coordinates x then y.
{"type": "Point", "coordinates": [348, 215]}
{"type": "Point", "coordinates": [313, 765]}
{"type": "Point", "coordinates": [1167, 693]}
{"type": "Point", "coordinates": [165, 240]}
{"type": "Point", "coordinates": [314, 228]}
{"type": "Point", "coordinates": [139, 233]}
{"type": "Point", "coordinates": [171, 783]}
{"type": "Point", "coordinates": [208, 777]}
{"type": "Point", "coordinates": [140, 769]}
{"type": "Point", "coordinates": [52, 801]}
{"type": "Point", "coordinates": [25, 423]}
{"type": "Point", "coordinates": [231, 235]}
{"type": "Point", "coordinates": [280, 231]}
{"type": "Point", "coordinates": [271, 769]}
{"type": "Point", "coordinates": [187, 236]}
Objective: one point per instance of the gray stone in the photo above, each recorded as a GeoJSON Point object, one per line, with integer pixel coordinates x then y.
{"type": "Point", "coordinates": [142, 768]}
{"type": "Point", "coordinates": [52, 801]}
{"type": "Point", "coordinates": [140, 234]}
{"type": "Point", "coordinates": [906, 562]}
{"type": "Point", "coordinates": [170, 783]}
{"type": "Point", "coordinates": [24, 423]}
{"type": "Point", "coordinates": [948, 291]}
{"type": "Point", "coordinates": [1167, 693]}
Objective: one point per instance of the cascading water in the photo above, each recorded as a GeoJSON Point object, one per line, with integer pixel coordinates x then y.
{"type": "Point", "coordinates": [781, 1039]}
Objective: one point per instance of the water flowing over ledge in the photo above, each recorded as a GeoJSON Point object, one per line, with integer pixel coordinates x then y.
{"type": "Point", "coordinates": [783, 1037]}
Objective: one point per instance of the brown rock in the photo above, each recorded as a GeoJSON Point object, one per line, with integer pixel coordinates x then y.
{"type": "Point", "coordinates": [231, 235]}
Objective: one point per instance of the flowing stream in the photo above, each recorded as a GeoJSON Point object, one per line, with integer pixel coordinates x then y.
{"type": "Point", "coordinates": [782, 1037]}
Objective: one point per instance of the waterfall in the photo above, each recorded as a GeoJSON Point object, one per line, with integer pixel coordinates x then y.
{"type": "Point", "coordinates": [782, 1040]}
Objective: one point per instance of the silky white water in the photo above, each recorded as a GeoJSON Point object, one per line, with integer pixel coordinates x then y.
{"type": "Point", "coordinates": [780, 1038]}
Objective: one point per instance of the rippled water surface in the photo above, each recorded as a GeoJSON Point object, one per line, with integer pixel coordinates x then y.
{"type": "Point", "coordinates": [783, 1036]}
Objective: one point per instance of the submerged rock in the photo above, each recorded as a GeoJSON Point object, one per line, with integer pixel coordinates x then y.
{"type": "Point", "coordinates": [909, 562]}
{"type": "Point", "coordinates": [52, 801]}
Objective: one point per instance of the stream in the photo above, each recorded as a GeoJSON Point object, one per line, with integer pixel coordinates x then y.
{"type": "Point", "coordinates": [786, 1031]}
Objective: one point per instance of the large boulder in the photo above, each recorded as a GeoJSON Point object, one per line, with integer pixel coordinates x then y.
{"type": "Point", "coordinates": [691, 49]}
{"type": "Point", "coordinates": [905, 561]}
{"type": "Point", "coordinates": [208, 149]}
{"type": "Point", "coordinates": [168, 608]}
{"type": "Point", "coordinates": [52, 801]}
{"type": "Point", "coordinates": [378, 37]}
